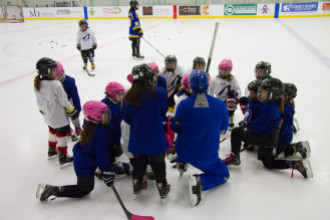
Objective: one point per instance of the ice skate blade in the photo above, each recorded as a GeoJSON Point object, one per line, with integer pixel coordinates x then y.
{"type": "Point", "coordinates": [52, 157]}
{"type": "Point", "coordinates": [308, 148]}
{"type": "Point", "coordinates": [40, 189]}
{"type": "Point", "coordinates": [65, 165]}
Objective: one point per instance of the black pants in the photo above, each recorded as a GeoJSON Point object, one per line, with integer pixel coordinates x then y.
{"type": "Point", "coordinates": [115, 150]}
{"type": "Point", "coordinates": [88, 54]}
{"type": "Point", "coordinates": [266, 145]}
{"type": "Point", "coordinates": [171, 101]}
{"type": "Point", "coordinates": [136, 45]}
{"type": "Point", "coordinates": [84, 186]}
{"type": "Point", "coordinates": [158, 166]}
{"type": "Point", "coordinates": [61, 130]}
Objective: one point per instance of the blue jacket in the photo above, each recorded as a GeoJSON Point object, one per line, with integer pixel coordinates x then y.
{"type": "Point", "coordinates": [147, 135]}
{"type": "Point", "coordinates": [267, 119]}
{"type": "Point", "coordinates": [134, 24]}
{"type": "Point", "coordinates": [161, 82]}
{"type": "Point", "coordinates": [70, 88]}
{"type": "Point", "coordinates": [286, 133]}
{"type": "Point", "coordinates": [198, 125]}
{"type": "Point", "coordinates": [96, 154]}
{"type": "Point", "coordinates": [254, 106]}
{"type": "Point", "coordinates": [116, 117]}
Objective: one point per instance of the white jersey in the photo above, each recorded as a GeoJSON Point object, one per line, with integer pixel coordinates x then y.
{"type": "Point", "coordinates": [86, 39]}
{"type": "Point", "coordinates": [172, 79]}
{"type": "Point", "coordinates": [52, 101]}
{"type": "Point", "coordinates": [220, 87]}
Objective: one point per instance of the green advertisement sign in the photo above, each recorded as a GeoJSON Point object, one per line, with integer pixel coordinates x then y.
{"type": "Point", "coordinates": [248, 9]}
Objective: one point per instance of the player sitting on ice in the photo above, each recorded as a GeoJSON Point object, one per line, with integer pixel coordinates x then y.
{"type": "Point", "coordinates": [225, 86]}
{"type": "Point", "coordinates": [172, 73]}
{"type": "Point", "coordinates": [198, 121]}
{"type": "Point", "coordinates": [71, 90]}
{"type": "Point", "coordinates": [56, 109]}
{"type": "Point", "coordinates": [135, 31]}
{"type": "Point", "coordinates": [91, 152]}
{"type": "Point", "coordinates": [86, 43]}
{"type": "Point", "coordinates": [295, 153]}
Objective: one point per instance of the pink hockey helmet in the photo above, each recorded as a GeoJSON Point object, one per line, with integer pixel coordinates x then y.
{"type": "Point", "coordinates": [185, 81]}
{"type": "Point", "coordinates": [130, 78]}
{"type": "Point", "coordinates": [59, 69]}
{"type": "Point", "coordinates": [226, 64]}
{"type": "Point", "coordinates": [114, 88]}
{"type": "Point", "coordinates": [154, 66]}
{"type": "Point", "coordinates": [93, 111]}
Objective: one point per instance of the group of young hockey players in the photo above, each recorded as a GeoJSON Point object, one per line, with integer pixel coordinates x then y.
{"type": "Point", "coordinates": [165, 113]}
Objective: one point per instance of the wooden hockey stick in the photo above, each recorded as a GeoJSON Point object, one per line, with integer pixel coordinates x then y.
{"type": "Point", "coordinates": [129, 215]}
{"type": "Point", "coordinates": [212, 47]}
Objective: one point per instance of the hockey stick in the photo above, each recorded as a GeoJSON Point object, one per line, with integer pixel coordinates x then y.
{"type": "Point", "coordinates": [153, 47]}
{"type": "Point", "coordinates": [223, 139]}
{"type": "Point", "coordinates": [89, 74]}
{"type": "Point", "coordinates": [129, 215]}
{"type": "Point", "coordinates": [212, 47]}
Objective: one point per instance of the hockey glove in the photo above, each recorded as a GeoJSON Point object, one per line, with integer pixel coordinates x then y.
{"type": "Point", "coordinates": [94, 46]}
{"type": "Point", "coordinates": [108, 177]}
{"type": "Point", "coordinates": [73, 114]}
{"type": "Point", "coordinates": [78, 47]}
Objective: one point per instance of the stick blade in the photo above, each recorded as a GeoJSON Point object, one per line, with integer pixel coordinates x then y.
{"type": "Point", "coordinates": [137, 217]}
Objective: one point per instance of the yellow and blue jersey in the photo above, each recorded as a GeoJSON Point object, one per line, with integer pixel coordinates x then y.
{"type": "Point", "coordinates": [135, 25]}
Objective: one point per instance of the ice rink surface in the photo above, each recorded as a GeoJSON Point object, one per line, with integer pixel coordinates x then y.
{"type": "Point", "coordinates": [298, 49]}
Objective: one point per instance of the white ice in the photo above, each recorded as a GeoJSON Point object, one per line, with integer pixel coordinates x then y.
{"type": "Point", "coordinates": [298, 49]}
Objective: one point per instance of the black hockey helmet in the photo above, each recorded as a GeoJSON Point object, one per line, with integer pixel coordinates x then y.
{"type": "Point", "coordinates": [290, 90]}
{"type": "Point", "coordinates": [254, 85]}
{"type": "Point", "coordinates": [133, 3]}
{"type": "Point", "coordinates": [143, 72]}
{"type": "Point", "coordinates": [83, 22]}
{"type": "Point", "coordinates": [45, 66]}
{"type": "Point", "coordinates": [274, 87]}
{"type": "Point", "coordinates": [266, 67]}
{"type": "Point", "coordinates": [198, 61]}
{"type": "Point", "coordinates": [170, 58]}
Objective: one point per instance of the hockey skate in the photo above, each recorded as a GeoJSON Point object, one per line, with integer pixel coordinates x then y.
{"type": "Point", "coordinates": [93, 66]}
{"type": "Point", "coordinates": [171, 153]}
{"type": "Point", "coordinates": [301, 150]}
{"type": "Point", "coordinates": [195, 189]}
{"type": "Point", "coordinates": [119, 170]}
{"type": "Point", "coordinates": [46, 192]}
{"type": "Point", "coordinates": [139, 187]}
{"type": "Point", "coordinates": [182, 167]}
{"type": "Point", "coordinates": [85, 66]}
{"type": "Point", "coordinates": [138, 55]}
{"type": "Point", "coordinates": [233, 161]}
{"type": "Point", "coordinates": [163, 190]}
{"type": "Point", "coordinates": [303, 166]}
{"type": "Point", "coordinates": [64, 160]}
{"type": "Point", "coordinates": [52, 153]}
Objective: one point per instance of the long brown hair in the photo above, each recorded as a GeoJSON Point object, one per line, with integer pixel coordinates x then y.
{"type": "Point", "coordinates": [281, 105]}
{"type": "Point", "coordinates": [37, 81]}
{"type": "Point", "coordinates": [87, 133]}
{"type": "Point", "coordinates": [135, 93]}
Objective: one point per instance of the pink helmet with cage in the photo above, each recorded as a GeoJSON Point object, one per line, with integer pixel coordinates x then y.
{"type": "Point", "coordinates": [154, 66]}
{"type": "Point", "coordinates": [114, 88]}
{"type": "Point", "coordinates": [59, 69]}
{"type": "Point", "coordinates": [226, 64]}
{"type": "Point", "coordinates": [93, 111]}
{"type": "Point", "coordinates": [185, 81]}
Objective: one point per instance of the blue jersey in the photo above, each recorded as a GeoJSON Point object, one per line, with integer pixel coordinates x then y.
{"type": "Point", "coordinates": [71, 90]}
{"type": "Point", "coordinates": [116, 117]}
{"type": "Point", "coordinates": [161, 82]}
{"type": "Point", "coordinates": [96, 154]}
{"type": "Point", "coordinates": [254, 106]}
{"type": "Point", "coordinates": [134, 24]}
{"type": "Point", "coordinates": [267, 119]}
{"type": "Point", "coordinates": [198, 120]}
{"type": "Point", "coordinates": [286, 133]}
{"type": "Point", "coordinates": [147, 135]}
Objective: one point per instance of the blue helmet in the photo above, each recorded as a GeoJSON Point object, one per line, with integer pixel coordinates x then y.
{"type": "Point", "coordinates": [199, 81]}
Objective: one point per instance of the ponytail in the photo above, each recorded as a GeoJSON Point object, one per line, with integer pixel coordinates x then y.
{"type": "Point", "coordinates": [281, 105]}
{"type": "Point", "coordinates": [87, 133]}
{"type": "Point", "coordinates": [37, 81]}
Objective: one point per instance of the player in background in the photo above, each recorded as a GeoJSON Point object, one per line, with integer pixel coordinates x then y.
{"type": "Point", "coordinates": [114, 94]}
{"type": "Point", "coordinates": [144, 108]}
{"type": "Point", "coordinates": [198, 121]}
{"type": "Point", "coordinates": [91, 152]}
{"type": "Point", "coordinates": [135, 31]}
{"type": "Point", "coordinates": [262, 71]}
{"type": "Point", "coordinates": [198, 64]}
{"type": "Point", "coordinates": [161, 82]}
{"type": "Point", "coordinates": [173, 74]}
{"type": "Point", "coordinates": [86, 43]}
{"type": "Point", "coordinates": [56, 109]}
{"type": "Point", "coordinates": [71, 90]}
{"type": "Point", "coordinates": [225, 86]}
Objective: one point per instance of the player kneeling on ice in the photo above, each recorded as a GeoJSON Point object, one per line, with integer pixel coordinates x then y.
{"type": "Point", "coordinates": [54, 105]}
{"type": "Point", "coordinates": [295, 153]}
{"type": "Point", "coordinates": [144, 108]}
{"type": "Point", "coordinates": [91, 152]}
{"type": "Point", "coordinates": [70, 88]}
{"type": "Point", "coordinates": [225, 86]}
{"type": "Point", "coordinates": [199, 120]}
{"type": "Point", "coordinates": [86, 43]}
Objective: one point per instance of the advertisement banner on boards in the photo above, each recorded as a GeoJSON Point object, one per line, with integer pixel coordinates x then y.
{"type": "Point", "coordinates": [265, 9]}
{"type": "Point", "coordinates": [240, 9]}
{"type": "Point", "coordinates": [49, 12]}
{"type": "Point", "coordinates": [326, 7]}
{"type": "Point", "coordinates": [189, 10]}
{"type": "Point", "coordinates": [157, 10]}
{"type": "Point", "coordinates": [299, 7]}
{"type": "Point", "coordinates": [107, 12]}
